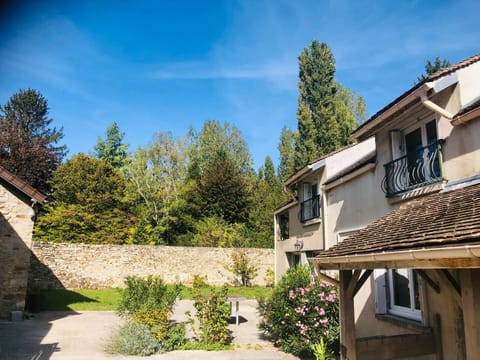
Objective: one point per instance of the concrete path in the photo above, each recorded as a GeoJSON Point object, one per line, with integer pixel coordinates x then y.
{"type": "Point", "coordinates": [72, 335]}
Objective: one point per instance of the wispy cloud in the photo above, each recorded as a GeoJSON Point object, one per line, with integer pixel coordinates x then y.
{"type": "Point", "coordinates": [211, 70]}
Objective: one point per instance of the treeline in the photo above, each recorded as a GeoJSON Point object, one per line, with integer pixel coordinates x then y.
{"type": "Point", "coordinates": [199, 189]}
{"type": "Point", "coordinates": [196, 190]}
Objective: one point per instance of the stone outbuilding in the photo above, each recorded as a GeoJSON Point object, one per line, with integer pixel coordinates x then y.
{"type": "Point", "coordinates": [18, 204]}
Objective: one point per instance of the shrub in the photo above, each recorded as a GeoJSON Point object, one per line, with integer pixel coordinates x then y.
{"type": "Point", "coordinates": [301, 310]}
{"type": "Point", "coordinates": [147, 293]}
{"type": "Point", "coordinates": [242, 267]}
{"type": "Point", "coordinates": [148, 304]}
{"type": "Point", "coordinates": [213, 313]}
{"type": "Point", "coordinates": [200, 281]}
{"type": "Point", "coordinates": [175, 339]}
{"type": "Point", "coordinates": [134, 338]}
{"type": "Point", "coordinates": [269, 278]}
{"type": "Point", "coordinates": [156, 319]}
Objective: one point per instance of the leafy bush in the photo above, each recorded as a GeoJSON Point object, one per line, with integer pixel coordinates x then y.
{"type": "Point", "coordinates": [301, 310]}
{"type": "Point", "coordinates": [200, 281]}
{"type": "Point", "coordinates": [269, 278]}
{"type": "Point", "coordinates": [134, 338]}
{"type": "Point", "coordinates": [148, 304]}
{"type": "Point", "coordinates": [156, 319]}
{"type": "Point", "coordinates": [175, 339]}
{"type": "Point", "coordinates": [147, 293]}
{"type": "Point", "coordinates": [242, 267]}
{"type": "Point", "coordinates": [213, 313]}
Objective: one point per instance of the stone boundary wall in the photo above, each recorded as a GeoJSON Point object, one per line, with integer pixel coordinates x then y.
{"type": "Point", "coordinates": [73, 266]}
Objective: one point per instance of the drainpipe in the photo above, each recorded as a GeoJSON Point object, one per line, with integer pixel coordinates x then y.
{"type": "Point", "coordinates": [432, 106]}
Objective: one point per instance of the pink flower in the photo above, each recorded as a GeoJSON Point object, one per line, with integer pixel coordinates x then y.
{"type": "Point", "coordinates": [291, 294]}
{"type": "Point", "coordinates": [331, 298]}
{"type": "Point", "coordinates": [321, 311]}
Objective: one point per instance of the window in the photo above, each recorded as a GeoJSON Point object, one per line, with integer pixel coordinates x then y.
{"type": "Point", "coordinates": [397, 292]}
{"type": "Point", "coordinates": [416, 159]}
{"type": "Point", "coordinates": [284, 224]}
{"type": "Point", "coordinates": [310, 207]}
{"type": "Point", "coordinates": [293, 259]}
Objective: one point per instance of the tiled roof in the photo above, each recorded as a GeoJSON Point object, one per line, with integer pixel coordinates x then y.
{"type": "Point", "coordinates": [443, 218]}
{"type": "Point", "coordinates": [21, 185]}
{"type": "Point", "coordinates": [467, 62]}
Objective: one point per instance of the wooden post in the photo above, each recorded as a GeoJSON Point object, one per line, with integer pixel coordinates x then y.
{"type": "Point", "coordinates": [348, 349]}
{"type": "Point", "coordinates": [470, 284]}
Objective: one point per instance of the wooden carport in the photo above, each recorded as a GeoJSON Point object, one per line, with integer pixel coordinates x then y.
{"type": "Point", "coordinates": [439, 236]}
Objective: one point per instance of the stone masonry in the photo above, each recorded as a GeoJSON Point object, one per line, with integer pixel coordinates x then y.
{"type": "Point", "coordinates": [56, 265]}
{"type": "Point", "coordinates": [15, 241]}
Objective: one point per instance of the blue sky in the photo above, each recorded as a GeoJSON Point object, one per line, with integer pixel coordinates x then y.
{"type": "Point", "coordinates": [165, 65]}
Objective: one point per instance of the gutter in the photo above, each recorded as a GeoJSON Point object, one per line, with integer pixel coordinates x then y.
{"type": "Point", "coordinates": [307, 169]}
{"type": "Point", "coordinates": [462, 119]}
{"type": "Point", "coordinates": [451, 252]}
{"type": "Point", "coordinates": [421, 92]}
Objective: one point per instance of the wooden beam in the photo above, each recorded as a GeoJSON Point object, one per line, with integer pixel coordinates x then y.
{"type": "Point", "coordinates": [451, 283]}
{"type": "Point", "coordinates": [437, 332]}
{"type": "Point", "coordinates": [348, 349]}
{"type": "Point", "coordinates": [463, 263]}
{"type": "Point", "coordinates": [327, 278]}
{"type": "Point", "coordinates": [470, 282]}
{"type": "Point", "coordinates": [366, 274]}
{"type": "Point", "coordinates": [353, 283]}
{"type": "Point", "coordinates": [433, 284]}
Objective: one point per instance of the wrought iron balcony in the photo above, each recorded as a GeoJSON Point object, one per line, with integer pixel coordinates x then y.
{"type": "Point", "coordinates": [310, 209]}
{"type": "Point", "coordinates": [413, 170]}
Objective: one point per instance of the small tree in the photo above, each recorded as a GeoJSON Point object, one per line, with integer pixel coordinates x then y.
{"type": "Point", "coordinates": [242, 267]}
{"type": "Point", "coordinates": [112, 149]}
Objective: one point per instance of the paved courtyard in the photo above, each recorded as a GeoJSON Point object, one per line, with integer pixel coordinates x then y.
{"type": "Point", "coordinates": [83, 335]}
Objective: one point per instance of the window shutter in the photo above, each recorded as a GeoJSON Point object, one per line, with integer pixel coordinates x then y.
{"type": "Point", "coordinates": [396, 143]}
{"type": "Point", "coordinates": [381, 288]}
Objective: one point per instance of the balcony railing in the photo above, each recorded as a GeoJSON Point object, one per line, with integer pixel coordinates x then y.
{"type": "Point", "coordinates": [413, 170]}
{"type": "Point", "coordinates": [310, 209]}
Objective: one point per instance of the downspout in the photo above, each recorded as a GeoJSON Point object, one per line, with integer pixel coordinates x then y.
{"type": "Point", "coordinates": [432, 106]}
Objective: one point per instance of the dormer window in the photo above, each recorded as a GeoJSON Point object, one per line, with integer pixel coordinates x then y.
{"type": "Point", "coordinates": [416, 159]}
{"type": "Point", "coordinates": [310, 206]}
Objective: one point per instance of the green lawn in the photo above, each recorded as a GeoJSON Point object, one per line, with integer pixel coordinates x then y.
{"type": "Point", "coordinates": [108, 299]}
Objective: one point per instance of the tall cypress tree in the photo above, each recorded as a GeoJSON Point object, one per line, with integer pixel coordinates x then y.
{"type": "Point", "coordinates": [318, 129]}
{"type": "Point", "coordinates": [327, 112]}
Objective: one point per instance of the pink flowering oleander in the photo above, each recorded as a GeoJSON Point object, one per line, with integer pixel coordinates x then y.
{"type": "Point", "coordinates": [291, 294]}
{"type": "Point", "coordinates": [321, 311]}
{"type": "Point", "coordinates": [331, 298]}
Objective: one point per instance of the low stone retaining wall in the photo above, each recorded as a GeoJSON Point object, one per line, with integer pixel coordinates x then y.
{"type": "Point", "coordinates": [71, 266]}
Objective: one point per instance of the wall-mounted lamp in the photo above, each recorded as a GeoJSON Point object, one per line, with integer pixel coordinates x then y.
{"type": "Point", "coordinates": [298, 245]}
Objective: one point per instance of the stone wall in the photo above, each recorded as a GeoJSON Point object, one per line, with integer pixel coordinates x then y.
{"type": "Point", "coordinates": [57, 265]}
{"type": "Point", "coordinates": [15, 240]}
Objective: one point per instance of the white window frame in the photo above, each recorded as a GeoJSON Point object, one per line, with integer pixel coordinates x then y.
{"type": "Point", "coordinates": [384, 296]}
{"type": "Point", "coordinates": [402, 311]}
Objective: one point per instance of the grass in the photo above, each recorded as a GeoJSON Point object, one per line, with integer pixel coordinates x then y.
{"type": "Point", "coordinates": [76, 300]}
{"type": "Point", "coordinates": [108, 299]}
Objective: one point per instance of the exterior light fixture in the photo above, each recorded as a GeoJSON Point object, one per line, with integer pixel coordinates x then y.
{"type": "Point", "coordinates": [298, 245]}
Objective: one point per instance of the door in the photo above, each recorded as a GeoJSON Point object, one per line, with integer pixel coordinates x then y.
{"type": "Point", "coordinates": [413, 146]}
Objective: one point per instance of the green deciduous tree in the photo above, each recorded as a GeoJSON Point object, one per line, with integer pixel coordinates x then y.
{"type": "Point", "coordinates": [156, 177]}
{"type": "Point", "coordinates": [223, 192]}
{"type": "Point", "coordinates": [216, 140]}
{"type": "Point", "coordinates": [28, 144]}
{"type": "Point", "coordinates": [112, 149]}
{"type": "Point", "coordinates": [88, 204]}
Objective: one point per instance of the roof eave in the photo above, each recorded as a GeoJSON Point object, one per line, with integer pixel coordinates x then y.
{"type": "Point", "coordinates": [467, 255]}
